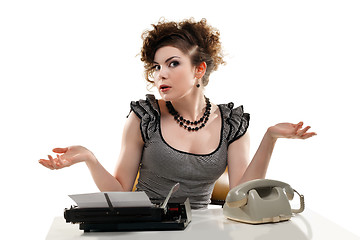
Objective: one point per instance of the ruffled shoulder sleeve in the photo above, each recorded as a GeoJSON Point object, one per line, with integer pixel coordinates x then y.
{"type": "Point", "coordinates": [236, 122]}
{"type": "Point", "coordinates": [149, 113]}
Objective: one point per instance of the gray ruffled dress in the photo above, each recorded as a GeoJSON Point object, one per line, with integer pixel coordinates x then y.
{"type": "Point", "coordinates": [162, 165]}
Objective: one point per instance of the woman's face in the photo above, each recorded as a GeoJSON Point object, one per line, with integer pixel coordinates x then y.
{"type": "Point", "coordinates": [174, 75]}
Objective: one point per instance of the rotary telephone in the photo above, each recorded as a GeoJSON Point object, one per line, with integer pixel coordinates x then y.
{"type": "Point", "coordinates": [261, 201]}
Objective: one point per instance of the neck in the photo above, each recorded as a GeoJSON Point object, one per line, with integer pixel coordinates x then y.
{"type": "Point", "coordinates": [191, 107]}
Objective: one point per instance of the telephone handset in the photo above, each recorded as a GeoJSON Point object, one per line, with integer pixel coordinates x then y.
{"type": "Point", "coordinates": [261, 201]}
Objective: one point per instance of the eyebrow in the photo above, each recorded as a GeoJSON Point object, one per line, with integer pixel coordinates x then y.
{"type": "Point", "coordinates": [169, 59]}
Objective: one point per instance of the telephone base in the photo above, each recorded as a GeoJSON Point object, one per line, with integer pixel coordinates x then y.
{"type": "Point", "coordinates": [264, 220]}
{"type": "Point", "coordinates": [260, 201]}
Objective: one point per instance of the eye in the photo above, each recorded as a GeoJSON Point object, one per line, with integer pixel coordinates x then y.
{"type": "Point", "coordinates": [174, 64]}
{"type": "Point", "coordinates": [156, 67]}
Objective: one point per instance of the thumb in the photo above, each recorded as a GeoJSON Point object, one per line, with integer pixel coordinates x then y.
{"type": "Point", "coordinates": [60, 150]}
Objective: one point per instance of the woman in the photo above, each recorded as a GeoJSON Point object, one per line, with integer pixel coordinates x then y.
{"type": "Point", "coordinates": [182, 137]}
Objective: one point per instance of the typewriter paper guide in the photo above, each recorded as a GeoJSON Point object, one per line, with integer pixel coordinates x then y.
{"type": "Point", "coordinates": [118, 199]}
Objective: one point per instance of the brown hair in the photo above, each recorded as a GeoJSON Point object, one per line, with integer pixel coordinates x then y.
{"type": "Point", "coordinates": [197, 39]}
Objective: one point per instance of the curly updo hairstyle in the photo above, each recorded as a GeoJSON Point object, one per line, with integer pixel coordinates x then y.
{"type": "Point", "coordinates": [198, 40]}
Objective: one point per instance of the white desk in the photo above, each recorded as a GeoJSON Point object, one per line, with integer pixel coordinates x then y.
{"type": "Point", "coordinates": [211, 224]}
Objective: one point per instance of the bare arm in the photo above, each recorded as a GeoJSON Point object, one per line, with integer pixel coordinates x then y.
{"type": "Point", "coordinates": [131, 151]}
{"type": "Point", "coordinates": [127, 166]}
{"type": "Point", "coordinates": [128, 162]}
{"type": "Point", "coordinates": [238, 159]}
{"type": "Point", "coordinates": [238, 153]}
{"type": "Point", "coordinates": [243, 171]}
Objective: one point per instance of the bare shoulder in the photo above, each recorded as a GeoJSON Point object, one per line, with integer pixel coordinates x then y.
{"type": "Point", "coordinates": [132, 128]}
{"type": "Point", "coordinates": [133, 118]}
{"type": "Point", "coordinates": [215, 110]}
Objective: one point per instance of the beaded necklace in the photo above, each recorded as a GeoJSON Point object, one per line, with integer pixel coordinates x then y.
{"type": "Point", "coordinates": [187, 124]}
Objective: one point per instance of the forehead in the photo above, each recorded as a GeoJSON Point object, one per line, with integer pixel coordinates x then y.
{"type": "Point", "coordinates": [163, 53]}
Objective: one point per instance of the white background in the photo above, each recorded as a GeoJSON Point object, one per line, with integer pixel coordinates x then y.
{"type": "Point", "coordinates": [69, 70]}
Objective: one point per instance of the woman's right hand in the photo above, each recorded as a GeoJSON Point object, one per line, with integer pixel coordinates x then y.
{"type": "Point", "coordinates": [69, 156]}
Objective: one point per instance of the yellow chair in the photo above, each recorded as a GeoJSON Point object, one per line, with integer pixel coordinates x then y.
{"type": "Point", "coordinates": [219, 193]}
{"type": "Point", "coordinates": [221, 189]}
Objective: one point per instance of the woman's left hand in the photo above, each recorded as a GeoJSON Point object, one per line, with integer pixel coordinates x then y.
{"type": "Point", "coordinates": [289, 130]}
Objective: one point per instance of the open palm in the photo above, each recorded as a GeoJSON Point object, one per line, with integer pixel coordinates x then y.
{"type": "Point", "coordinates": [290, 130]}
{"type": "Point", "coordinates": [70, 155]}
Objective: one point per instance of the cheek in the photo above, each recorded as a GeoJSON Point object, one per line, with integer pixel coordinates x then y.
{"type": "Point", "coordinates": [155, 75]}
{"type": "Point", "coordinates": [156, 78]}
{"type": "Point", "coordinates": [184, 74]}
{"type": "Point", "coordinates": [156, 82]}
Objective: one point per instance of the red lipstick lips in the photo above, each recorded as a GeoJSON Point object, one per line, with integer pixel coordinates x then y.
{"type": "Point", "coordinates": [164, 88]}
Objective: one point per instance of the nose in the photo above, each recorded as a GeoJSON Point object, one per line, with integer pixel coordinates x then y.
{"type": "Point", "coordinates": [163, 73]}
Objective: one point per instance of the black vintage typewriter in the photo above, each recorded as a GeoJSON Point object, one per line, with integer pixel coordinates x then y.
{"type": "Point", "coordinates": [167, 215]}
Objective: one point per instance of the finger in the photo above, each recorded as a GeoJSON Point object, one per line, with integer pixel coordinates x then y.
{"type": "Point", "coordinates": [60, 161]}
{"type": "Point", "coordinates": [299, 126]}
{"type": "Point", "coordinates": [302, 131]}
{"type": "Point", "coordinates": [308, 135]}
{"type": "Point", "coordinates": [60, 150]}
{"type": "Point", "coordinates": [63, 162]}
{"type": "Point", "coordinates": [52, 162]}
{"type": "Point", "coordinates": [46, 164]}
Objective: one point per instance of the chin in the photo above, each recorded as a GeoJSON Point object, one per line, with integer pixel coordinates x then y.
{"type": "Point", "coordinates": [166, 97]}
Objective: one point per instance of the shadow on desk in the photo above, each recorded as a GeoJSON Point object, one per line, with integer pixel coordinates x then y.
{"type": "Point", "coordinates": [284, 230]}
{"type": "Point", "coordinates": [211, 224]}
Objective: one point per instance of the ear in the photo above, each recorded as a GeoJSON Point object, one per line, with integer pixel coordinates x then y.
{"type": "Point", "coordinates": [200, 70]}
